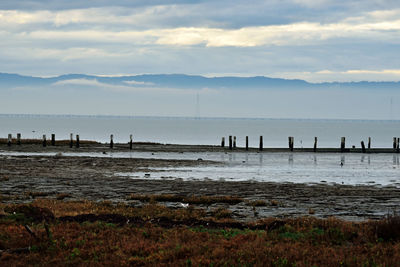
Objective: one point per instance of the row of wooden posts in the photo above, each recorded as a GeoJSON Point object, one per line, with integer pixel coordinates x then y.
{"type": "Point", "coordinates": [232, 142]}
{"type": "Point", "coordinates": [71, 142]}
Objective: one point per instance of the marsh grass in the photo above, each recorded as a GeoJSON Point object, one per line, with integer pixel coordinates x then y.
{"type": "Point", "coordinates": [206, 200]}
{"type": "Point", "coordinates": [160, 236]}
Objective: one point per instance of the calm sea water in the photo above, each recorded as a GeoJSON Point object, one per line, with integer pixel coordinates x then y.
{"type": "Point", "coordinates": [204, 131]}
{"type": "Point", "coordinates": [327, 168]}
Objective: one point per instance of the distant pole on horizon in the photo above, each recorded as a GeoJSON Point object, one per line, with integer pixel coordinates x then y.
{"type": "Point", "coordinates": [197, 111]}
{"type": "Point", "coordinates": [391, 108]}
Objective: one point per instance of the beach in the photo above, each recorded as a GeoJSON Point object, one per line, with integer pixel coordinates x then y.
{"type": "Point", "coordinates": [51, 173]}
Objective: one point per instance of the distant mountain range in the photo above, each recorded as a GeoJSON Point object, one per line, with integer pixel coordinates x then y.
{"type": "Point", "coordinates": [186, 81]}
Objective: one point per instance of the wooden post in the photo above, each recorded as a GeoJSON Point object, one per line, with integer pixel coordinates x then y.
{"type": "Point", "coordinates": [223, 142]}
{"type": "Point", "coordinates": [111, 141]}
{"type": "Point", "coordinates": [362, 146]}
{"type": "Point", "coordinates": [130, 142]}
{"type": "Point", "coordinates": [261, 143]}
{"type": "Point", "coordinates": [77, 141]}
{"type": "Point", "coordinates": [369, 142]}
{"type": "Point", "coordinates": [315, 143]}
{"type": "Point", "coordinates": [230, 142]}
{"type": "Point", "coordinates": [71, 140]}
{"type": "Point", "coordinates": [9, 140]}
{"type": "Point", "coordinates": [53, 139]}
{"type": "Point", "coordinates": [247, 143]}
{"type": "Point", "coordinates": [342, 144]}
{"type": "Point", "coordinates": [234, 142]}
{"type": "Point", "coordinates": [398, 145]}
{"type": "Point", "coordinates": [44, 141]}
{"type": "Point", "coordinates": [394, 142]}
{"type": "Point", "coordinates": [18, 139]}
{"type": "Point", "coordinates": [291, 143]}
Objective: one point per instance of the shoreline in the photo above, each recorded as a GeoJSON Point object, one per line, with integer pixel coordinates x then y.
{"type": "Point", "coordinates": [36, 145]}
{"type": "Point", "coordinates": [25, 178]}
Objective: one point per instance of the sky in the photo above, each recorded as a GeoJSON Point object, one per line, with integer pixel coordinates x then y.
{"type": "Point", "coordinates": [313, 40]}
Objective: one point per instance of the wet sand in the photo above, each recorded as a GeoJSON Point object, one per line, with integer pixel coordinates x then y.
{"type": "Point", "coordinates": [23, 178]}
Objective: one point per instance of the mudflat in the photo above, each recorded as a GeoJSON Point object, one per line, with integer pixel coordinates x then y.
{"type": "Point", "coordinates": [23, 178]}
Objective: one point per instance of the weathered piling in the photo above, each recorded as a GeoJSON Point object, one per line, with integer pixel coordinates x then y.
{"type": "Point", "coordinates": [130, 142]}
{"type": "Point", "coordinates": [230, 142]}
{"type": "Point", "coordinates": [71, 140]}
{"type": "Point", "coordinates": [112, 141]}
{"type": "Point", "coordinates": [398, 145]}
{"type": "Point", "coordinates": [369, 142]}
{"type": "Point", "coordinates": [223, 142]}
{"type": "Point", "coordinates": [261, 147]}
{"type": "Point", "coordinates": [247, 143]}
{"type": "Point", "coordinates": [394, 142]}
{"type": "Point", "coordinates": [342, 144]}
{"type": "Point", "coordinates": [291, 143]}
{"type": "Point", "coordinates": [362, 147]}
{"type": "Point", "coordinates": [18, 139]}
{"type": "Point", "coordinates": [44, 141]}
{"type": "Point", "coordinates": [9, 140]}
{"type": "Point", "coordinates": [53, 139]}
{"type": "Point", "coordinates": [77, 141]}
{"type": "Point", "coordinates": [234, 142]}
{"type": "Point", "coordinates": [315, 143]}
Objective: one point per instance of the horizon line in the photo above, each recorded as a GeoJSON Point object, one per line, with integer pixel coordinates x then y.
{"type": "Point", "coordinates": [22, 115]}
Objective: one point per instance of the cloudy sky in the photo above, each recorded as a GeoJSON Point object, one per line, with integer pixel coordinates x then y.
{"type": "Point", "coordinates": [314, 40]}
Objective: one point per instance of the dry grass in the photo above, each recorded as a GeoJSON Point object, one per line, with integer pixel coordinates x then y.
{"type": "Point", "coordinates": [158, 236]}
{"type": "Point", "coordinates": [206, 200]}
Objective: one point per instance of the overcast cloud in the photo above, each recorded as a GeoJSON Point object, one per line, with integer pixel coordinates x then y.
{"type": "Point", "coordinates": [315, 40]}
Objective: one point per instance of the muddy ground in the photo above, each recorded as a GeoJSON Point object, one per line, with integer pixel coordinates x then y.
{"type": "Point", "coordinates": [23, 178]}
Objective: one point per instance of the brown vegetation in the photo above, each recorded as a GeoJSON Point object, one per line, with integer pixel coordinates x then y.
{"type": "Point", "coordinates": [206, 200]}
{"type": "Point", "coordinates": [88, 233]}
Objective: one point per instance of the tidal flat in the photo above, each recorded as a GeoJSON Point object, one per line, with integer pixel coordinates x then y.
{"type": "Point", "coordinates": [31, 171]}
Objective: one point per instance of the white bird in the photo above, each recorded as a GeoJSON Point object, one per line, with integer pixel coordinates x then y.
{"type": "Point", "coordinates": [184, 205]}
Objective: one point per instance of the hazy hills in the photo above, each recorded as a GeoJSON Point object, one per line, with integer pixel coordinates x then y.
{"type": "Point", "coordinates": [185, 81]}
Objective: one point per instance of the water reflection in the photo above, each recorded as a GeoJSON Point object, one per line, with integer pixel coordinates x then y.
{"type": "Point", "coordinates": [290, 159]}
{"type": "Point", "coordinates": [277, 167]}
{"type": "Point", "coordinates": [396, 159]}
{"type": "Point", "coordinates": [342, 160]}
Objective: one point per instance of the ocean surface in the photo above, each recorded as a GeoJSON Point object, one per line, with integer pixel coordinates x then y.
{"type": "Point", "coordinates": [203, 131]}
{"type": "Point", "coordinates": [330, 168]}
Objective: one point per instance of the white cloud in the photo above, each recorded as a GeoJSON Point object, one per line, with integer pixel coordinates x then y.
{"type": "Point", "coordinates": [300, 33]}
{"type": "Point", "coordinates": [176, 39]}
{"type": "Point", "coordinates": [84, 82]}
{"type": "Point", "coordinates": [134, 83]}
{"type": "Point", "coordinates": [94, 83]}
{"type": "Point", "coordinates": [343, 76]}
